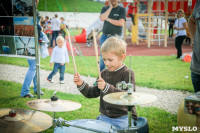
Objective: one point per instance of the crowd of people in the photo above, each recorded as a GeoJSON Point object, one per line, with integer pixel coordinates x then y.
{"type": "Point", "coordinates": [53, 27]}
{"type": "Point", "coordinates": [112, 55]}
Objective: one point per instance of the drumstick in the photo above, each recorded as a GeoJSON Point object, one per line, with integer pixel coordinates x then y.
{"type": "Point", "coordinates": [96, 52]}
{"type": "Point", "coordinates": [72, 51]}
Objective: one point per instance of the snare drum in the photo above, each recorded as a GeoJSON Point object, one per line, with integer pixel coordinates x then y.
{"type": "Point", "coordinates": [99, 125]}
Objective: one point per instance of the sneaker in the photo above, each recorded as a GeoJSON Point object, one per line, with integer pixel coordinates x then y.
{"type": "Point", "coordinates": [50, 80]}
{"type": "Point", "coordinates": [62, 82]}
{"type": "Point", "coordinates": [41, 93]}
{"type": "Point", "coordinates": [43, 42]}
{"type": "Point", "coordinates": [29, 95]}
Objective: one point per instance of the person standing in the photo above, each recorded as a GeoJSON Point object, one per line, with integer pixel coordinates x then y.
{"type": "Point", "coordinates": [59, 57]}
{"type": "Point", "coordinates": [48, 30]}
{"type": "Point", "coordinates": [194, 28]}
{"type": "Point", "coordinates": [31, 73]}
{"type": "Point", "coordinates": [63, 26]}
{"type": "Point", "coordinates": [130, 12]}
{"type": "Point", "coordinates": [55, 23]}
{"type": "Point", "coordinates": [46, 21]}
{"type": "Point", "coordinates": [180, 27]}
{"type": "Point", "coordinates": [171, 30]}
{"type": "Point", "coordinates": [42, 22]}
{"type": "Point", "coordinates": [114, 17]}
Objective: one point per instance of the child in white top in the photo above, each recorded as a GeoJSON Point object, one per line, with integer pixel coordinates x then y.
{"type": "Point", "coordinates": [59, 57]}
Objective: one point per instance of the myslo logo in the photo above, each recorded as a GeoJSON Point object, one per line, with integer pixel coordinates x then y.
{"type": "Point", "coordinates": [184, 128]}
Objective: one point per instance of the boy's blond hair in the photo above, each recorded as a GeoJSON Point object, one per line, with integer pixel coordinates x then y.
{"type": "Point", "coordinates": [114, 45]}
{"type": "Point", "coordinates": [60, 38]}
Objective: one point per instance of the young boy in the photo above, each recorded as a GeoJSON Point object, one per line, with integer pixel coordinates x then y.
{"type": "Point", "coordinates": [113, 52]}
{"type": "Point", "coordinates": [59, 57]}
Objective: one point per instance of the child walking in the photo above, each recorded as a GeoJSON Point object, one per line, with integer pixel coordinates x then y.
{"type": "Point", "coordinates": [113, 52]}
{"type": "Point", "coordinates": [59, 57]}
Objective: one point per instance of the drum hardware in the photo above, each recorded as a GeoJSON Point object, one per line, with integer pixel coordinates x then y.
{"type": "Point", "coordinates": [23, 121]}
{"type": "Point", "coordinates": [54, 98]}
{"type": "Point", "coordinates": [60, 122]}
{"type": "Point", "coordinates": [53, 105]}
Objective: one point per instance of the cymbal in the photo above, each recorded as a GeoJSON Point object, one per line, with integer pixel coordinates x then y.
{"type": "Point", "coordinates": [53, 106]}
{"type": "Point", "coordinates": [136, 98]}
{"type": "Point", "coordinates": [25, 121]}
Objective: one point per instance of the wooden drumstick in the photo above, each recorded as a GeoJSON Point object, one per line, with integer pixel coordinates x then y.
{"type": "Point", "coordinates": [72, 51]}
{"type": "Point", "coordinates": [96, 52]}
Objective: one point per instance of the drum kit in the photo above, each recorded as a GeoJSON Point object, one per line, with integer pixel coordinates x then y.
{"type": "Point", "coordinates": [28, 121]}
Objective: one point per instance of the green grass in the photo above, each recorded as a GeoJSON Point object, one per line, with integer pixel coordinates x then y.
{"type": "Point", "coordinates": [161, 72]}
{"type": "Point", "coordinates": [70, 6]}
{"type": "Point", "coordinates": [159, 120]}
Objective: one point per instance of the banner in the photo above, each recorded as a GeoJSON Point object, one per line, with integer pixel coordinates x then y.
{"type": "Point", "coordinates": [17, 28]}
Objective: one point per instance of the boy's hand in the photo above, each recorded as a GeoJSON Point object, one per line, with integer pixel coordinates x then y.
{"type": "Point", "coordinates": [101, 84]}
{"type": "Point", "coordinates": [62, 64]}
{"type": "Point", "coordinates": [67, 64]}
{"type": "Point", "coordinates": [77, 79]}
{"type": "Point", "coordinates": [51, 64]}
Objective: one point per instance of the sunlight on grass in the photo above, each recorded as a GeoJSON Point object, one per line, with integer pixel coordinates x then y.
{"type": "Point", "coordinates": [159, 120]}
{"type": "Point", "coordinates": [161, 72]}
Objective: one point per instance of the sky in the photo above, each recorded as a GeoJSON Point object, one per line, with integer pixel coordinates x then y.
{"type": "Point", "coordinates": [23, 21]}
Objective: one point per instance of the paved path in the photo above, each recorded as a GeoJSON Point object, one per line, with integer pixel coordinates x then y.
{"type": "Point", "coordinates": [166, 99]}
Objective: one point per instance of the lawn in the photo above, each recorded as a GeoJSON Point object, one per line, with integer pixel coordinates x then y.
{"type": "Point", "coordinates": [70, 6]}
{"type": "Point", "coordinates": [159, 120]}
{"type": "Point", "coordinates": [161, 72]}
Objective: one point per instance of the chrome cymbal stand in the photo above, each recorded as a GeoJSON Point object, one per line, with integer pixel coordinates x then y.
{"type": "Point", "coordinates": [123, 86]}
{"type": "Point", "coordinates": [60, 122]}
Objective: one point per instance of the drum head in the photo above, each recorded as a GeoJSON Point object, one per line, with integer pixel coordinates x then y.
{"type": "Point", "coordinates": [86, 123]}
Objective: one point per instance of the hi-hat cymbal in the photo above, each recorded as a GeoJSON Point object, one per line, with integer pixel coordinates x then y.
{"type": "Point", "coordinates": [136, 98]}
{"type": "Point", "coordinates": [25, 121]}
{"type": "Point", "coordinates": [53, 106]}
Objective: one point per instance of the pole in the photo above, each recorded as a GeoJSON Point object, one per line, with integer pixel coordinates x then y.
{"type": "Point", "coordinates": [129, 116]}
{"type": "Point", "coordinates": [149, 23]}
{"type": "Point", "coordinates": [37, 50]}
{"type": "Point", "coordinates": [166, 21]}
{"type": "Point", "coordinates": [137, 21]}
{"type": "Point", "coordinates": [130, 71]}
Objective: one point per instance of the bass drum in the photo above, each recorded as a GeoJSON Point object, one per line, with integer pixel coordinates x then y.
{"type": "Point", "coordinates": [99, 125]}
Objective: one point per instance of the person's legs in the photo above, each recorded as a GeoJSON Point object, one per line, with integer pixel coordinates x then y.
{"type": "Point", "coordinates": [176, 45]}
{"type": "Point", "coordinates": [63, 33]}
{"type": "Point", "coordinates": [62, 72]}
{"type": "Point", "coordinates": [132, 18]}
{"type": "Point", "coordinates": [55, 70]}
{"type": "Point", "coordinates": [186, 39]}
{"type": "Point", "coordinates": [102, 40]}
{"type": "Point", "coordinates": [172, 31]}
{"type": "Point", "coordinates": [195, 81]}
{"type": "Point", "coordinates": [53, 38]}
{"type": "Point", "coordinates": [35, 83]}
{"type": "Point", "coordinates": [179, 46]}
{"type": "Point", "coordinates": [56, 35]}
{"type": "Point", "coordinates": [120, 122]}
{"type": "Point", "coordinates": [29, 77]}
{"type": "Point", "coordinates": [51, 44]}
